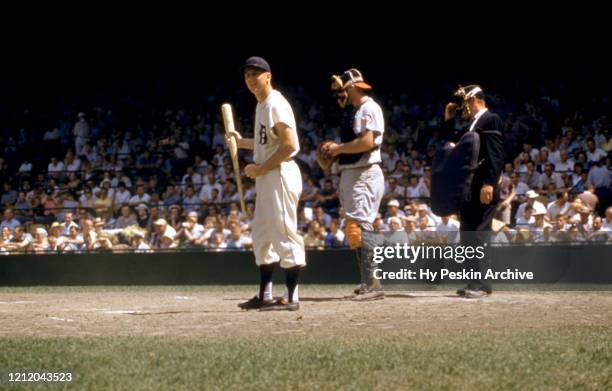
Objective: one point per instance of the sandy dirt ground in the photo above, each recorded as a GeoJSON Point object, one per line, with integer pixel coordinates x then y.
{"type": "Point", "coordinates": [324, 311]}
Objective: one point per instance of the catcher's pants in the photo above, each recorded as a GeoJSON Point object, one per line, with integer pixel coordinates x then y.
{"type": "Point", "coordinates": [361, 192]}
{"type": "Point", "coordinates": [275, 236]}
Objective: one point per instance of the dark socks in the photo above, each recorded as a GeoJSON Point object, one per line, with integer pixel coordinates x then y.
{"type": "Point", "coordinates": [266, 277]}
{"type": "Point", "coordinates": [292, 275]}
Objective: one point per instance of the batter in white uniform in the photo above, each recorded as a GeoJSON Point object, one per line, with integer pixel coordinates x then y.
{"type": "Point", "coordinates": [278, 184]}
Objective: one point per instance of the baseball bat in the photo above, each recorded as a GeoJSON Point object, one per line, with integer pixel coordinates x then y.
{"type": "Point", "coordinates": [228, 122]}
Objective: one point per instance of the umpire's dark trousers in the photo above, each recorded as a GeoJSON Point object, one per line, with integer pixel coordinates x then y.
{"type": "Point", "coordinates": [476, 219]}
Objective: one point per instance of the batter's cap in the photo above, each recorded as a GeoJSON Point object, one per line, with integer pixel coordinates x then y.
{"type": "Point", "coordinates": [257, 62]}
{"type": "Point", "coordinates": [355, 78]}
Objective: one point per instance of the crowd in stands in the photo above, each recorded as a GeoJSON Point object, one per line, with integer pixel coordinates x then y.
{"type": "Point", "coordinates": [146, 179]}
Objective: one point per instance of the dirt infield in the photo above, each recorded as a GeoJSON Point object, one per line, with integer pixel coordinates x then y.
{"type": "Point", "coordinates": [200, 312]}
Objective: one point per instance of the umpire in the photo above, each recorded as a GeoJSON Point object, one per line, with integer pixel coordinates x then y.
{"type": "Point", "coordinates": [478, 208]}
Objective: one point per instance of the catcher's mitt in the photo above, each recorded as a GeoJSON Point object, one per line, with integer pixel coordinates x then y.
{"type": "Point", "coordinates": [324, 158]}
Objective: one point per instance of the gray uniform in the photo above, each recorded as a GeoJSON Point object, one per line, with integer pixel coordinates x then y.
{"type": "Point", "coordinates": [362, 186]}
{"type": "Point", "coordinates": [362, 183]}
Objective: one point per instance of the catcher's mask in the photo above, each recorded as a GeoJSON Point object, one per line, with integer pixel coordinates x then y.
{"type": "Point", "coordinates": [340, 84]}
{"type": "Point", "coordinates": [462, 97]}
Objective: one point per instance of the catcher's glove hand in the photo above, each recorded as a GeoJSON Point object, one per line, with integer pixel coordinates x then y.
{"type": "Point", "coordinates": [324, 157]}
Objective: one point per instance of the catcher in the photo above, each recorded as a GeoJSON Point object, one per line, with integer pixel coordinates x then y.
{"type": "Point", "coordinates": [361, 178]}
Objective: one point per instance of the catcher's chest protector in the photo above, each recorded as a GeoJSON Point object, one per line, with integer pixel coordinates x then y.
{"type": "Point", "coordinates": [348, 134]}
{"type": "Point", "coordinates": [451, 174]}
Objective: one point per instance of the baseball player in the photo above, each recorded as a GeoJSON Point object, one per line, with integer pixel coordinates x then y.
{"type": "Point", "coordinates": [361, 178]}
{"type": "Point", "coordinates": [278, 184]}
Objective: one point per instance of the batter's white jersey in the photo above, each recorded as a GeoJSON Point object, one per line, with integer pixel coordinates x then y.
{"type": "Point", "coordinates": [272, 110]}
{"type": "Point", "coordinates": [275, 235]}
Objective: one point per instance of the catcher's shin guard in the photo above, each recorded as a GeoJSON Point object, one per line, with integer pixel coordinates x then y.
{"type": "Point", "coordinates": [367, 266]}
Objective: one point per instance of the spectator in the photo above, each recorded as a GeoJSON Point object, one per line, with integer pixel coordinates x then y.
{"type": "Point", "coordinates": [80, 132]}
{"type": "Point", "coordinates": [323, 218]}
{"type": "Point", "coordinates": [607, 223]}
{"type": "Point", "coordinates": [598, 234]}
{"type": "Point", "coordinates": [174, 217]}
{"type": "Point", "coordinates": [40, 243]}
{"type": "Point", "coordinates": [191, 202]}
{"type": "Point", "coordinates": [236, 239]}
{"type": "Point", "coordinates": [19, 241]}
{"type": "Point", "coordinates": [55, 168]}
{"type": "Point", "coordinates": [217, 241]}
{"type": "Point", "coordinates": [9, 196]}
{"type": "Point", "coordinates": [139, 244]}
{"type": "Point", "coordinates": [594, 154]}
{"type": "Point", "coordinates": [314, 237]}
{"type": "Point", "coordinates": [531, 200]}
{"type": "Point", "coordinates": [190, 231]}
{"type": "Point", "coordinates": [140, 197]}
{"type": "Point", "coordinates": [126, 219]}
{"type": "Point", "coordinates": [142, 216]}
{"type": "Point", "coordinates": [448, 229]}
{"type": "Point", "coordinates": [335, 237]}
{"type": "Point", "coordinates": [328, 198]}
{"type": "Point", "coordinates": [558, 207]}
{"type": "Point", "coordinates": [9, 220]}
{"type": "Point", "coordinates": [393, 209]}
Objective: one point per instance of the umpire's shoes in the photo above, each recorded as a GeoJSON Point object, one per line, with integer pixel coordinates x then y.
{"type": "Point", "coordinates": [281, 305]}
{"type": "Point", "coordinates": [255, 303]}
{"type": "Point", "coordinates": [369, 295]}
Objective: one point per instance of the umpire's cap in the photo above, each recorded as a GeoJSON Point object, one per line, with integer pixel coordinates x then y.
{"type": "Point", "coordinates": [355, 78]}
{"type": "Point", "coordinates": [257, 62]}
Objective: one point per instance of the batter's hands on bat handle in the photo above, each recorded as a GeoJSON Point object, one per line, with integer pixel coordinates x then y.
{"type": "Point", "coordinates": [235, 134]}
{"type": "Point", "coordinates": [486, 194]}
{"type": "Point", "coordinates": [253, 170]}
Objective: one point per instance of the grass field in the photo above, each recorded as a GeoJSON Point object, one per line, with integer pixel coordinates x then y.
{"type": "Point", "coordinates": [145, 338]}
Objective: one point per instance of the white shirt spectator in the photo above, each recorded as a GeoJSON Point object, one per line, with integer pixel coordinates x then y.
{"type": "Point", "coordinates": [553, 209]}
{"type": "Point", "coordinates": [75, 165]}
{"type": "Point", "coordinates": [564, 167]}
{"type": "Point", "coordinates": [554, 157]}
{"type": "Point", "coordinates": [126, 180]}
{"type": "Point", "coordinates": [242, 242]}
{"type": "Point", "coordinates": [596, 155]}
{"type": "Point", "coordinates": [554, 178]}
{"type": "Point", "coordinates": [210, 232]}
{"type": "Point", "coordinates": [521, 209]}
{"type": "Point", "coordinates": [25, 167]}
{"type": "Point", "coordinates": [52, 135]}
{"type": "Point", "coordinates": [143, 247]}
{"type": "Point", "coordinates": [450, 230]}
{"type": "Point", "coordinates": [196, 180]}
{"type": "Point", "coordinates": [122, 197]}
{"type": "Point", "coordinates": [197, 231]}
{"type": "Point", "coordinates": [57, 167]}
{"type": "Point", "coordinates": [390, 160]}
{"type": "Point", "coordinates": [205, 192]}
{"type": "Point", "coordinates": [414, 192]}
{"type": "Point", "coordinates": [136, 199]}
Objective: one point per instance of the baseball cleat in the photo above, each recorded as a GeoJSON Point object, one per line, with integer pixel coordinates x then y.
{"type": "Point", "coordinates": [475, 293]}
{"type": "Point", "coordinates": [281, 305]}
{"type": "Point", "coordinates": [369, 296]}
{"type": "Point", "coordinates": [255, 303]}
